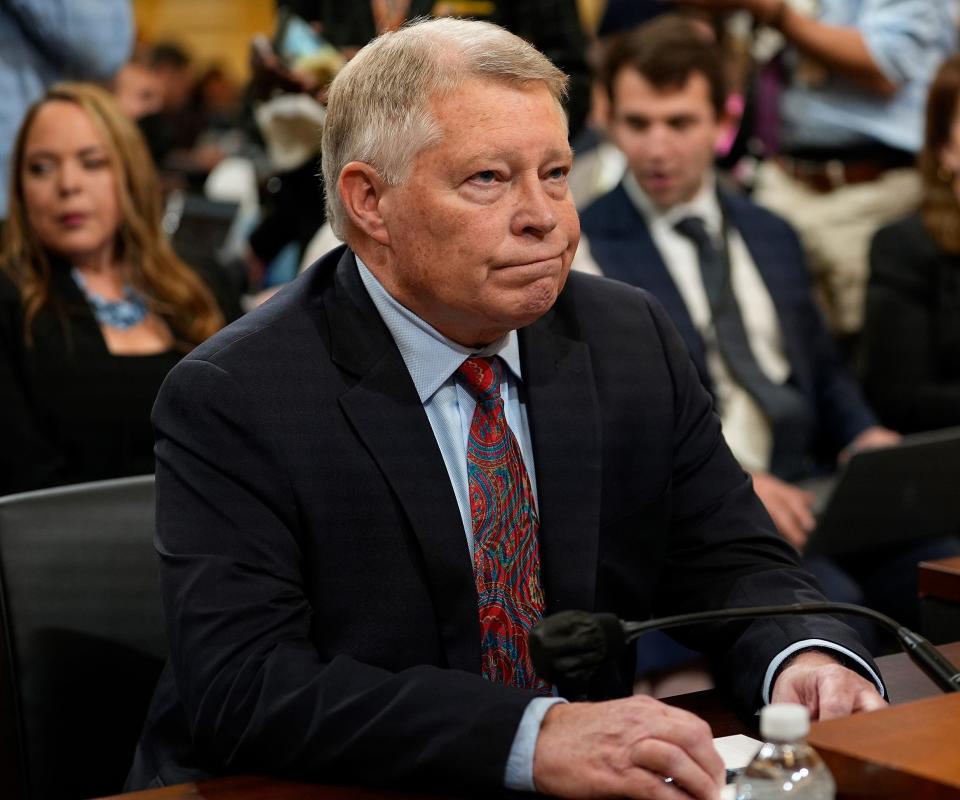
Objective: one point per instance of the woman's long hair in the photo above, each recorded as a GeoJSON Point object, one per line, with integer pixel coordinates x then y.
{"type": "Point", "coordinates": [940, 208]}
{"type": "Point", "coordinates": [169, 287]}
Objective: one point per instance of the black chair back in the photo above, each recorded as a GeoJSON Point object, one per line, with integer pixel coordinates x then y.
{"type": "Point", "coordinates": [81, 636]}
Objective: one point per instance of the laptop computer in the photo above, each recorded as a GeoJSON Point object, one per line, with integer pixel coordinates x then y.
{"type": "Point", "coordinates": [889, 495]}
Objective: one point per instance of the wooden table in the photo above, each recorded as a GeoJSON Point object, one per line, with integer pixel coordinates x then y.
{"type": "Point", "coordinates": [904, 681]}
{"type": "Point", "coordinates": [940, 579]}
{"type": "Point", "coordinates": [939, 589]}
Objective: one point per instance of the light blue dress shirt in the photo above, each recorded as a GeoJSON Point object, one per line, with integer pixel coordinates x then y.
{"type": "Point", "coordinates": [908, 39]}
{"type": "Point", "coordinates": [432, 361]}
{"type": "Point", "coordinates": [44, 41]}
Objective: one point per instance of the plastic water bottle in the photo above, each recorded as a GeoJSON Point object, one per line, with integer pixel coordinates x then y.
{"type": "Point", "coordinates": [785, 766]}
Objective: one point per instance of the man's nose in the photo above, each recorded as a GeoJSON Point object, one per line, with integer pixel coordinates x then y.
{"type": "Point", "coordinates": [536, 212]}
{"type": "Point", "coordinates": [658, 141]}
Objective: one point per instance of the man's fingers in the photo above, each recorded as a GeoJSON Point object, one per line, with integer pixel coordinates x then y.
{"type": "Point", "coordinates": [640, 784]}
{"type": "Point", "coordinates": [625, 748]}
{"type": "Point", "coordinates": [788, 506]}
{"type": "Point", "coordinates": [694, 738]}
{"type": "Point", "coordinates": [869, 700]}
{"type": "Point", "coordinates": [671, 761]}
{"type": "Point", "coordinates": [800, 503]}
{"type": "Point", "coordinates": [842, 692]}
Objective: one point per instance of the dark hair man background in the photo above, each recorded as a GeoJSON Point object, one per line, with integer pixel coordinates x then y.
{"type": "Point", "coordinates": [733, 279]}
{"type": "Point", "coordinates": [371, 487]}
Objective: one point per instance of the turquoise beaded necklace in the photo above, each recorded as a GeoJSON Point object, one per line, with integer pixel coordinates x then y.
{"type": "Point", "coordinates": [121, 314]}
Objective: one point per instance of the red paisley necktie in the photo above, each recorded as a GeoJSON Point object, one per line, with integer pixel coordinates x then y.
{"type": "Point", "coordinates": [506, 561]}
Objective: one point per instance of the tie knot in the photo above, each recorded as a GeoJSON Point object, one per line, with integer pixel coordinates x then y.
{"type": "Point", "coordinates": [695, 229]}
{"type": "Point", "coordinates": [482, 376]}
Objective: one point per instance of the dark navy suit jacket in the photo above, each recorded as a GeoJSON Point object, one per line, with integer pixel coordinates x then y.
{"type": "Point", "coordinates": [319, 595]}
{"type": "Point", "coordinates": [622, 246]}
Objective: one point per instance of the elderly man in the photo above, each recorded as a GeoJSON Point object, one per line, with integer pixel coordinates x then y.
{"type": "Point", "coordinates": [374, 485]}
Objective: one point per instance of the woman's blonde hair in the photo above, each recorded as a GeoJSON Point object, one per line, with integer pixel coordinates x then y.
{"type": "Point", "coordinates": [940, 208]}
{"type": "Point", "coordinates": [169, 287]}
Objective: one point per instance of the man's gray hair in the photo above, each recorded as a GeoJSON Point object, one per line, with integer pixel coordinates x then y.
{"type": "Point", "coordinates": [378, 110]}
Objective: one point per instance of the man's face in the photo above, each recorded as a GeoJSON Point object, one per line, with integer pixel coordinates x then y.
{"type": "Point", "coordinates": [668, 135]}
{"type": "Point", "coordinates": [482, 232]}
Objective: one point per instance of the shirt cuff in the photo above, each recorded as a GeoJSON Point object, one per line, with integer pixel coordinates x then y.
{"type": "Point", "coordinates": [519, 772]}
{"type": "Point", "coordinates": [818, 644]}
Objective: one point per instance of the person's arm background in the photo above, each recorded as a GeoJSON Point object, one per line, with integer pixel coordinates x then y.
{"type": "Point", "coordinates": [887, 47]}
{"type": "Point", "coordinates": [900, 336]}
{"type": "Point", "coordinates": [89, 40]}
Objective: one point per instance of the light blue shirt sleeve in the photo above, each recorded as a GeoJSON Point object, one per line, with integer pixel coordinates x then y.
{"type": "Point", "coordinates": [908, 38]}
{"type": "Point", "coordinates": [519, 772]}
{"type": "Point", "coordinates": [88, 39]}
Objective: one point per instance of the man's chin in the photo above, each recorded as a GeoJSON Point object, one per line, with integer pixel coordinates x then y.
{"type": "Point", "coordinates": [537, 301]}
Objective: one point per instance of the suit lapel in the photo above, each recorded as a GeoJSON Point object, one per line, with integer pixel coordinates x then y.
{"type": "Point", "coordinates": [564, 416]}
{"type": "Point", "coordinates": [384, 408]}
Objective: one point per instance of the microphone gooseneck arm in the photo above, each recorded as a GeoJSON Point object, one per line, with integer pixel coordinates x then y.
{"type": "Point", "coordinates": [571, 645]}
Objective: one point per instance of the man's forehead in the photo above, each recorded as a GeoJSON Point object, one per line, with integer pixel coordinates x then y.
{"type": "Point", "coordinates": [481, 107]}
{"type": "Point", "coordinates": [633, 91]}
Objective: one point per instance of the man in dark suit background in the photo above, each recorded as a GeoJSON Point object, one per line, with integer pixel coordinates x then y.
{"type": "Point", "coordinates": [732, 278]}
{"type": "Point", "coordinates": [322, 507]}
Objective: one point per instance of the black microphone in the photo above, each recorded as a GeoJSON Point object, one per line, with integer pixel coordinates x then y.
{"type": "Point", "coordinates": [568, 647]}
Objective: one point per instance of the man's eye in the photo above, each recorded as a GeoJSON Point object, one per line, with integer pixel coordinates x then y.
{"type": "Point", "coordinates": [486, 176]}
{"type": "Point", "coordinates": [557, 174]}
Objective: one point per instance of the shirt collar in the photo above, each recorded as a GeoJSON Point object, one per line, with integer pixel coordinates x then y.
{"type": "Point", "coordinates": [704, 205]}
{"type": "Point", "coordinates": [431, 357]}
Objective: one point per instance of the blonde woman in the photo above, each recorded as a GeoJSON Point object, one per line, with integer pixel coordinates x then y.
{"type": "Point", "coordinates": [95, 308]}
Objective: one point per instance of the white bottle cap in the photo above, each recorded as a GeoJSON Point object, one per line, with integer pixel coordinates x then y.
{"type": "Point", "coordinates": [783, 722]}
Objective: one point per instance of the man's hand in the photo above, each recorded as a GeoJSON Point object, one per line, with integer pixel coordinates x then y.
{"type": "Point", "coordinates": [876, 436]}
{"type": "Point", "coordinates": [625, 748]}
{"type": "Point", "coordinates": [815, 679]}
{"type": "Point", "coordinates": [789, 507]}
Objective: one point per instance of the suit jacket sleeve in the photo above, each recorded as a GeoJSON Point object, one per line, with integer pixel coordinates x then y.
{"type": "Point", "coordinates": [723, 551]}
{"type": "Point", "coordinates": [255, 692]}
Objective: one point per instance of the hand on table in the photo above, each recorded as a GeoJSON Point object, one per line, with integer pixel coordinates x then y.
{"type": "Point", "coordinates": [625, 748]}
{"type": "Point", "coordinates": [828, 689]}
{"type": "Point", "coordinates": [789, 507]}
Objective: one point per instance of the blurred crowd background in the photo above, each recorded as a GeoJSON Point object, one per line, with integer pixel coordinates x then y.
{"type": "Point", "coordinates": [161, 165]}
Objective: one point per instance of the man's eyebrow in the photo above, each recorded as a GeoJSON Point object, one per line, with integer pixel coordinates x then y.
{"type": "Point", "coordinates": [554, 154]}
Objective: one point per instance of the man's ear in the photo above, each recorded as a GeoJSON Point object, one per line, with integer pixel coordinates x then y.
{"type": "Point", "coordinates": [361, 190]}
